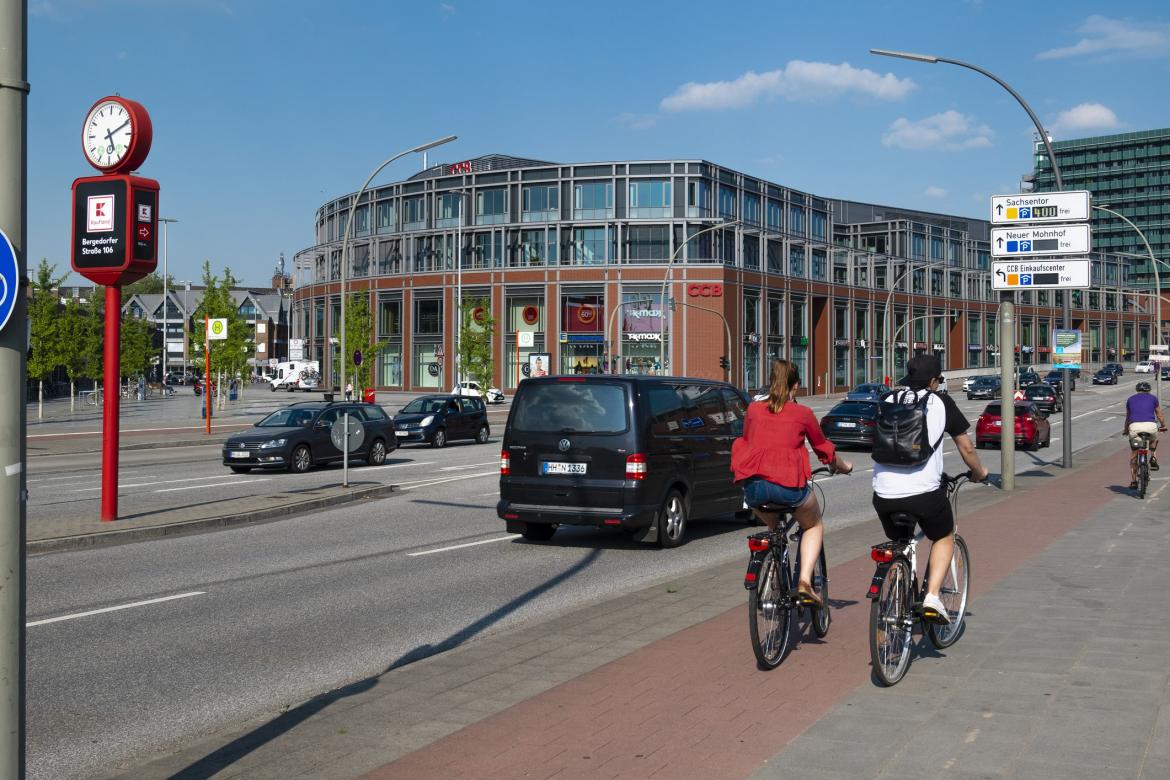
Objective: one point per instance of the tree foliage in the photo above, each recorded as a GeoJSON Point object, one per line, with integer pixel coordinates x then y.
{"type": "Point", "coordinates": [46, 347]}
{"type": "Point", "coordinates": [475, 342]}
{"type": "Point", "coordinates": [81, 331]}
{"type": "Point", "coordinates": [229, 355]}
{"type": "Point", "coordinates": [136, 351]}
{"type": "Point", "coordinates": [151, 284]}
{"type": "Point", "coordinates": [359, 334]}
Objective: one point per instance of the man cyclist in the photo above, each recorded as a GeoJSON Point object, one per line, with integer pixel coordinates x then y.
{"type": "Point", "coordinates": [1142, 415]}
{"type": "Point", "coordinates": [918, 490]}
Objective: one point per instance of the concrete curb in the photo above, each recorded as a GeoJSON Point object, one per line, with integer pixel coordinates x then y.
{"type": "Point", "coordinates": [187, 527]}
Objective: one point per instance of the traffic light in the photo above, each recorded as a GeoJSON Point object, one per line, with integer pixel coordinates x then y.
{"type": "Point", "coordinates": [724, 363]}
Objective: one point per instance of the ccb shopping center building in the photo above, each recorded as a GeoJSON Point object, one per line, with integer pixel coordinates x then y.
{"type": "Point", "coordinates": [572, 260]}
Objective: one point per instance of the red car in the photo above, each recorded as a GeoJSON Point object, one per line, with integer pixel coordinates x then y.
{"type": "Point", "coordinates": [1032, 428]}
{"type": "Point", "coordinates": [199, 387]}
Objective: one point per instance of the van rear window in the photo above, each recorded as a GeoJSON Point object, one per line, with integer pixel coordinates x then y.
{"type": "Point", "coordinates": [571, 407]}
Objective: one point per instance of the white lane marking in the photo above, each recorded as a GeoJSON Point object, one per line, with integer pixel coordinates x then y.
{"type": "Point", "coordinates": [399, 465]}
{"type": "Point", "coordinates": [78, 478]}
{"type": "Point", "coordinates": [469, 466]}
{"type": "Point", "coordinates": [160, 482]}
{"type": "Point", "coordinates": [460, 546]}
{"type": "Point", "coordinates": [213, 485]}
{"type": "Point", "coordinates": [429, 482]}
{"type": "Point", "coordinates": [114, 609]}
{"type": "Point", "coordinates": [144, 430]}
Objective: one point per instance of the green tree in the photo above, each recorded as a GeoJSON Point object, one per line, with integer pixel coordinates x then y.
{"type": "Point", "coordinates": [136, 351]}
{"type": "Point", "coordinates": [229, 357]}
{"type": "Point", "coordinates": [151, 284]}
{"type": "Point", "coordinates": [45, 344]}
{"type": "Point", "coordinates": [359, 334]}
{"type": "Point", "coordinates": [475, 342]}
{"type": "Point", "coordinates": [81, 336]}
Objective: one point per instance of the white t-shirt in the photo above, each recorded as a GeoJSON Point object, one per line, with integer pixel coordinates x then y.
{"type": "Point", "coordinates": [942, 417]}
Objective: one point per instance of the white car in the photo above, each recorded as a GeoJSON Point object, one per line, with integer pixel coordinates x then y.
{"type": "Point", "coordinates": [1144, 367]}
{"type": "Point", "coordinates": [494, 395]}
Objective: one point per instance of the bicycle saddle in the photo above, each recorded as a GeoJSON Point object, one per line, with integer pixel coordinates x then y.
{"type": "Point", "coordinates": [779, 508]}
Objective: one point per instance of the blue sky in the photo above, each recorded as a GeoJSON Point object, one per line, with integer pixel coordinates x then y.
{"type": "Point", "coordinates": [264, 110]}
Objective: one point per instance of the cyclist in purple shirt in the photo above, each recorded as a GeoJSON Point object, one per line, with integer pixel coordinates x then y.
{"type": "Point", "coordinates": [1142, 415]}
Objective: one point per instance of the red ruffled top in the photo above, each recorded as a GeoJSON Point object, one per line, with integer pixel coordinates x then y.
{"type": "Point", "coordinates": [773, 445]}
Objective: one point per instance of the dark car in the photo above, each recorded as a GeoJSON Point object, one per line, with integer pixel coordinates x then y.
{"type": "Point", "coordinates": [1165, 371]}
{"type": "Point", "coordinates": [872, 391]}
{"type": "Point", "coordinates": [1032, 427]}
{"type": "Point", "coordinates": [983, 387]}
{"type": "Point", "coordinates": [639, 453]}
{"type": "Point", "coordinates": [1104, 377]}
{"type": "Point", "coordinates": [438, 419]}
{"type": "Point", "coordinates": [301, 435]}
{"type": "Point", "coordinates": [1047, 399]}
{"type": "Point", "coordinates": [1029, 378]}
{"type": "Point", "coordinates": [1055, 380]}
{"type": "Point", "coordinates": [1114, 368]}
{"type": "Point", "coordinates": [850, 423]}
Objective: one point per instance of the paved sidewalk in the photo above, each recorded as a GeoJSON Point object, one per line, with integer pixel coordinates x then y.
{"type": "Point", "coordinates": [662, 682]}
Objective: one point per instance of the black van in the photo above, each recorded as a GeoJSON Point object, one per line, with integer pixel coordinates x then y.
{"type": "Point", "coordinates": [640, 453]}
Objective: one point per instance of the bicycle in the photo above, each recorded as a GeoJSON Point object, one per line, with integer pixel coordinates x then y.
{"type": "Point", "coordinates": [92, 397]}
{"type": "Point", "coordinates": [896, 595]}
{"type": "Point", "coordinates": [771, 581]}
{"type": "Point", "coordinates": [1142, 466]}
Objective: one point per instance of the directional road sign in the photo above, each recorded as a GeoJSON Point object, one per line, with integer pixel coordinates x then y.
{"type": "Point", "coordinates": [1040, 274]}
{"type": "Point", "coordinates": [1071, 206]}
{"type": "Point", "coordinates": [1049, 240]}
{"type": "Point", "coordinates": [9, 279]}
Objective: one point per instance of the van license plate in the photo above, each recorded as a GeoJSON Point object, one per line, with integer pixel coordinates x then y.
{"type": "Point", "coordinates": [557, 467]}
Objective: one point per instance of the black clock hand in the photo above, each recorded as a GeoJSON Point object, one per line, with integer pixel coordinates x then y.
{"type": "Point", "coordinates": [110, 136]}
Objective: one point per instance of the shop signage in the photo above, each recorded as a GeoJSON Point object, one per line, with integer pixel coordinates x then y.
{"type": "Point", "coordinates": [919, 345]}
{"type": "Point", "coordinates": [798, 341]}
{"type": "Point", "coordinates": [861, 344]}
{"type": "Point", "coordinates": [582, 338]}
{"type": "Point", "coordinates": [840, 342]}
{"type": "Point", "coordinates": [639, 313]}
{"type": "Point", "coordinates": [705, 290]}
{"type": "Point", "coordinates": [975, 347]}
{"type": "Point", "coordinates": [901, 344]}
{"type": "Point", "coordinates": [530, 314]}
{"type": "Point", "coordinates": [460, 167]}
{"type": "Point", "coordinates": [939, 347]}
{"type": "Point", "coordinates": [643, 337]}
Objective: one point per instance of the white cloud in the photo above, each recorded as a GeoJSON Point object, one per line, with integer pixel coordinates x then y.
{"type": "Point", "coordinates": [798, 80]}
{"type": "Point", "coordinates": [1105, 36]}
{"type": "Point", "coordinates": [949, 130]}
{"type": "Point", "coordinates": [935, 192]}
{"type": "Point", "coordinates": [446, 10]}
{"type": "Point", "coordinates": [636, 121]}
{"type": "Point", "coordinates": [1086, 116]}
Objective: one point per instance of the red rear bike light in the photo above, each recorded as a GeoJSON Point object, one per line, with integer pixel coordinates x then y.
{"type": "Point", "coordinates": [505, 463]}
{"type": "Point", "coordinates": [756, 544]}
{"type": "Point", "coordinates": [873, 588]}
{"type": "Point", "coordinates": [636, 466]}
{"type": "Point", "coordinates": [749, 577]}
{"type": "Point", "coordinates": [881, 554]}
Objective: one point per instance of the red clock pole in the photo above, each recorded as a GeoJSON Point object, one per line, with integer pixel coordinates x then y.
{"type": "Point", "coordinates": [111, 352]}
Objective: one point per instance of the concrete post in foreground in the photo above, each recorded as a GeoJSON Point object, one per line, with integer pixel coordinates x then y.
{"type": "Point", "coordinates": [1007, 389]}
{"type": "Point", "coordinates": [13, 343]}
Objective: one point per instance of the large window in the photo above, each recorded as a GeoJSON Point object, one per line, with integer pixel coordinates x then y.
{"type": "Point", "coordinates": [796, 261]}
{"type": "Point", "coordinates": [428, 316]}
{"type": "Point", "coordinates": [387, 216]}
{"type": "Point", "coordinates": [389, 318]}
{"type": "Point", "coordinates": [819, 224]}
{"type": "Point", "coordinates": [796, 220]}
{"type": "Point", "coordinates": [774, 215]}
{"type": "Point", "coordinates": [414, 213]}
{"type": "Point", "coordinates": [489, 250]}
{"type": "Point", "coordinates": [491, 207]}
{"type": "Point", "coordinates": [649, 199]}
{"type": "Point", "coordinates": [540, 203]}
{"type": "Point", "coordinates": [727, 202]}
{"type": "Point", "coordinates": [593, 200]}
{"type": "Point", "coordinates": [447, 213]}
{"type": "Point", "coordinates": [536, 250]}
{"type": "Point", "coordinates": [648, 243]}
{"type": "Point", "coordinates": [751, 209]}
{"type": "Point", "coordinates": [582, 314]}
{"type": "Point", "coordinates": [361, 221]}
{"type": "Point", "coordinates": [698, 198]}
{"type": "Point", "coordinates": [589, 246]}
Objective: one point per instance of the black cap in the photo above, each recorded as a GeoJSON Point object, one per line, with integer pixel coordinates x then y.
{"type": "Point", "coordinates": [921, 370]}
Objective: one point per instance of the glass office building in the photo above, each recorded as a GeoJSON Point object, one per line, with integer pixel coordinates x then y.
{"type": "Point", "coordinates": [667, 266]}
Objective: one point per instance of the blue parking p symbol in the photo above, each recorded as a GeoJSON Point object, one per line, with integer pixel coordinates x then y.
{"type": "Point", "coordinates": [1025, 279]}
{"type": "Point", "coordinates": [1025, 213]}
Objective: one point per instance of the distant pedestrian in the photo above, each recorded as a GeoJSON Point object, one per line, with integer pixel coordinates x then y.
{"type": "Point", "coordinates": [349, 391]}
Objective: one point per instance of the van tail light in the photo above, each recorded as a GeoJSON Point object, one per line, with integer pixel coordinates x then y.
{"type": "Point", "coordinates": [636, 466]}
{"type": "Point", "coordinates": [505, 463]}
{"type": "Point", "coordinates": [881, 554]}
{"type": "Point", "coordinates": [758, 544]}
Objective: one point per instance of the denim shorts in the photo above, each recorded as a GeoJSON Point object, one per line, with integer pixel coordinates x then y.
{"type": "Point", "coordinates": [758, 491]}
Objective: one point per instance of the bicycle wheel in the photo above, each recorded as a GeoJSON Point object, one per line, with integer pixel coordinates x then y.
{"type": "Point", "coordinates": [821, 618]}
{"type": "Point", "coordinates": [891, 624]}
{"type": "Point", "coordinates": [954, 597]}
{"type": "Point", "coordinates": [1143, 475]}
{"type": "Point", "coordinates": [770, 614]}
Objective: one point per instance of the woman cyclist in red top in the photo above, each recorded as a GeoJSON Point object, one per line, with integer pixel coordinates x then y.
{"type": "Point", "coordinates": [771, 461]}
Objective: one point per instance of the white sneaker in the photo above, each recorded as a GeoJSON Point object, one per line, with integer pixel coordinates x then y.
{"type": "Point", "coordinates": [934, 610]}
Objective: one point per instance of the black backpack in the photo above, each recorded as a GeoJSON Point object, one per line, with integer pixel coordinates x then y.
{"type": "Point", "coordinates": [901, 437]}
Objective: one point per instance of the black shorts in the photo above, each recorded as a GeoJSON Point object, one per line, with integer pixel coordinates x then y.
{"type": "Point", "coordinates": [932, 509]}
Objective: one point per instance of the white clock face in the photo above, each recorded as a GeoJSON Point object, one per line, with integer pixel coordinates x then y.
{"type": "Point", "coordinates": [107, 133]}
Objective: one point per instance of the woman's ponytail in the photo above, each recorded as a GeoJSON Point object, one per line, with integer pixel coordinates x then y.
{"type": "Point", "coordinates": [784, 379]}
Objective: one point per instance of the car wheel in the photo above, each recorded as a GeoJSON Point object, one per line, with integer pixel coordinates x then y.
{"type": "Point", "coordinates": [439, 440]}
{"type": "Point", "coordinates": [302, 459]}
{"type": "Point", "coordinates": [241, 469]}
{"type": "Point", "coordinates": [672, 520]}
{"type": "Point", "coordinates": [970, 397]}
{"type": "Point", "coordinates": [483, 435]}
{"type": "Point", "coordinates": [377, 454]}
{"type": "Point", "coordinates": [272, 388]}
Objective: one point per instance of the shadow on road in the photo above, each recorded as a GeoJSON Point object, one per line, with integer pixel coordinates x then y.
{"type": "Point", "coordinates": [261, 735]}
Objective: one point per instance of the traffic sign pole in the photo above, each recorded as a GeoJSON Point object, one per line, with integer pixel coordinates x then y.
{"type": "Point", "coordinates": [207, 371]}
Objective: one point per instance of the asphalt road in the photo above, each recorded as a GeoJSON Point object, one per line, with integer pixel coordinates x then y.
{"type": "Point", "coordinates": [260, 618]}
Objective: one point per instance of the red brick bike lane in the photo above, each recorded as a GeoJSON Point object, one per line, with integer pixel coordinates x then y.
{"type": "Point", "coordinates": [694, 705]}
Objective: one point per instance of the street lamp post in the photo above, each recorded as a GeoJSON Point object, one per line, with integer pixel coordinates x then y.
{"type": "Point", "coordinates": [162, 367]}
{"type": "Point", "coordinates": [344, 279]}
{"type": "Point", "coordinates": [887, 362]}
{"type": "Point", "coordinates": [186, 318]}
{"type": "Point", "coordinates": [459, 288]}
{"type": "Point", "coordinates": [1007, 442]}
{"type": "Point", "coordinates": [668, 276]}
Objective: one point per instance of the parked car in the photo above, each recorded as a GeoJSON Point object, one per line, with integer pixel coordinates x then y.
{"type": "Point", "coordinates": [1032, 428]}
{"type": "Point", "coordinates": [762, 393]}
{"type": "Point", "coordinates": [1144, 367]}
{"type": "Point", "coordinates": [1105, 377]}
{"type": "Point", "coordinates": [872, 391]}
{"type": "Point", "coordinates": [984, 387]}
{"type": "Point", "coordinates": [967, 381]}
{"type": "Point", "coordinates": [299, 436]}
{"type": "Point", "coordinates": [1165, 371]}
{"type": "Point", "coordinates": [1055, 380]}
{"type": "Point", "coordinates": [438, 419]}
{"type": "Point", "coordinates": [850, 423]}
{"type": "Point", "coordinates": [1115, 368]}
{"type": "Point", "coordinates": [640, 453]}
{"type": "Point", "coordinates": [1045, 397]}
{"type": "Point", "coordinates": [1028, 378]}
{"type": "Point", "coordinates": [494, 395]}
